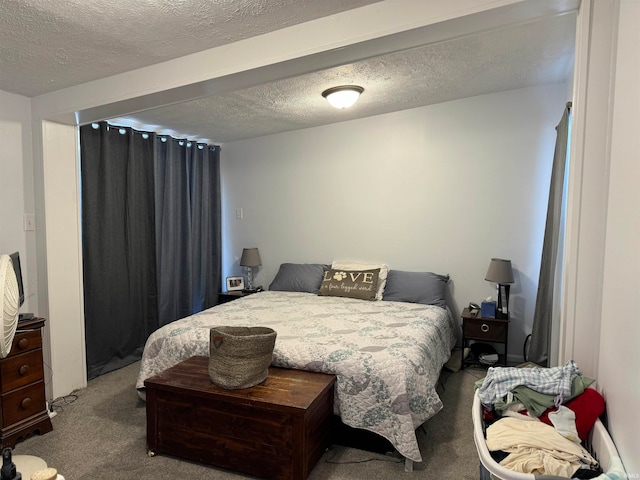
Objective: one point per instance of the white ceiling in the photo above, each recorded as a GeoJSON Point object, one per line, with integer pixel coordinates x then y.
{"type": "Point", "coordinates": [48, 45]}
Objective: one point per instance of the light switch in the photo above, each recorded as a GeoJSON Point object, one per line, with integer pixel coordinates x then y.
{"type": "Point", "coordinates": [239, 214]}
{"type": "Point", "coordinates": [29, 220]}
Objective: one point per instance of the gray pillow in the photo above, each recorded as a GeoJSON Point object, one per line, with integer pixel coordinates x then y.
{"type": "Point", "coordinates": [298, 277]}
{"type": "Point", "coordinates": [416, 287]}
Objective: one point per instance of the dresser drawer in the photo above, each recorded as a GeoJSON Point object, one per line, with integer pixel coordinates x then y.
{"type": "Point", "coordinates": [21, 370]}
{"type": "Point", "coordinates": [25, 341]}
{"type": "Point", "coordinates": [485, 330]}
{"type": "Point", "coordinates": [23, 403]}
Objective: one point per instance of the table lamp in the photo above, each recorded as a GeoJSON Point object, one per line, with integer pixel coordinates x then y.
{"type": "Point", "coordinates": [501, 273]}
{"type": "Point", "coordinates": [250, 259]}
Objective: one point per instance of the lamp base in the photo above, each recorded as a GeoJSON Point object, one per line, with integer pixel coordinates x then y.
{"type": "Point", "coordinates": [249, 280]}
{"type": "Point", "coordinates": [502, 309]}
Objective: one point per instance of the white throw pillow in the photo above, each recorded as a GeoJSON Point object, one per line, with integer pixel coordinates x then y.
{"type": "Point", "coordinates": [382, 277]}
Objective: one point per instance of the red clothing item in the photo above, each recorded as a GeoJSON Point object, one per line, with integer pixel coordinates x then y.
{"type": "Point", "coordinates": [587, 406]}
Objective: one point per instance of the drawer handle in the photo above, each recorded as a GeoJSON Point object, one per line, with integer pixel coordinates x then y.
{"type": "Point", "coordinates": [484, 327]}
{"type": "Point", "coordinates": [24, 370]}
{"type": "Point", "coordinates": [26, 403]}
{"type": "Point", "coordinates": [23, 343]}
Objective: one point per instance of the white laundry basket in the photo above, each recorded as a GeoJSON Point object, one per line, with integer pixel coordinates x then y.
{"type": "Point", "coordinates": [599, 445]}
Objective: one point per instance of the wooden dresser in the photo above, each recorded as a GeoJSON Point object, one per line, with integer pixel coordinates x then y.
{"type": "Point", "coordinates": [23, 408]}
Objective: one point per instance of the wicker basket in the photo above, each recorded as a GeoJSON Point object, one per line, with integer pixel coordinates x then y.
{"type": "Point", "coordinates": [239, 357]}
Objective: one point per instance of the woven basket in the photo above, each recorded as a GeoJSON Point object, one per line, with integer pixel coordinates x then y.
{"type": "Point", "coordinates": [239, 357]}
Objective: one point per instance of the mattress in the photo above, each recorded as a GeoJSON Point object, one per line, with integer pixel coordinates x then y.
{"type": "Point", "coordinates": [387, 356]}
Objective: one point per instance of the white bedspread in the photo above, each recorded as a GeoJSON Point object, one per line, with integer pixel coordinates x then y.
{"type": "Point", "coordinates": [387, 356]}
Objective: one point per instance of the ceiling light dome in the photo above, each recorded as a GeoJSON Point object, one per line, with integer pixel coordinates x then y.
{"type": "Point", "coordinates": [343, 96]}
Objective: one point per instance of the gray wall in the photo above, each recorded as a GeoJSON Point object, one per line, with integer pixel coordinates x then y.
{"type": "Point", "coordinates": [441, 188]}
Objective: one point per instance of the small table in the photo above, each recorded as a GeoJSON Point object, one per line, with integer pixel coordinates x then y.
{"type": "Point", "coordinates": [278, 429]}
{"type": "Point", "coordinates": [493, 330]}
{"type": "Point", "coordinates": [224, 297]}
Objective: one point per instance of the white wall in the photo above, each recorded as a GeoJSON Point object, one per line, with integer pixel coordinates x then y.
{"type": "Point", "coordinates": [600, 329]}
{"type": "Point", "coordinates": [619, 361]}
{"type": "Point", "coordinates": [16, 189]}
{"type": "Point", "coordinates": [441, 188]}
{"type": "Point", "coordinates": [588, 185]}
{"type": "Point", "coordinates": [64, 265]}
{"type": "Point", "coordinates": [16, 199]}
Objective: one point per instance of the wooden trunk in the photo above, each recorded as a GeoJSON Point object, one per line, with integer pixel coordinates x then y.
{"type": "Point", "coordinates": [277, 429]}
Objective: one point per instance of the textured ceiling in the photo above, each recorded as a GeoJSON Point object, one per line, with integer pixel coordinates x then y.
{"type": "Point", "coordinates": [46, 45]}
{"type": "Point", "coordinates": [43, 49]}
{"type": "Point", "coordinates": [521, 56]}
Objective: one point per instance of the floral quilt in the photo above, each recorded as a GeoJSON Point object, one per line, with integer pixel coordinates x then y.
{"type": "Point", "coordinates": [387, 356]}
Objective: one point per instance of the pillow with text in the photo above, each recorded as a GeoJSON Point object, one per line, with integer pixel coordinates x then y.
{"type": "Point", "coordinates": [361, 284]}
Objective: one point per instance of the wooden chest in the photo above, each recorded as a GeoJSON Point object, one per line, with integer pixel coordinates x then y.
{"type": "Point", "coordinates": [278, 429]}
{"type": "Point", "coordinates": [23, 409]}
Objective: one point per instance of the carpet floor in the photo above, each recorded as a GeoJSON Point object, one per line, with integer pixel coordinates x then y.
{"type": "Point", "coordinates": [100, 433]}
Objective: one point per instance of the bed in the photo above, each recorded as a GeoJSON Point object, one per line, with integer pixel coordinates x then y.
{"type": "Point", "coordinates": [386, 355]}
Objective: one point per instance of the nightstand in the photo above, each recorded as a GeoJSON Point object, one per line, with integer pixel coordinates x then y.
{"type": "Point", "coordinates": [224, 297]}
{"type": "Point", "coordinates": [492, 330]}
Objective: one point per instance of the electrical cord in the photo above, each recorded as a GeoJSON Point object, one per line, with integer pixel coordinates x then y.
{"type": "Point", "coordinates": [371, 459]}
{"type": "Point", "coordinates": [67, 400]}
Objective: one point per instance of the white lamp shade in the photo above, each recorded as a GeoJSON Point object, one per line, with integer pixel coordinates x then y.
{"type": "Point", "coordinates": [343, 97]}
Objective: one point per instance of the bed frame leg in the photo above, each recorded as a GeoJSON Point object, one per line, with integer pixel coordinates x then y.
{"type": "Point", "coordinates": [408, 465]}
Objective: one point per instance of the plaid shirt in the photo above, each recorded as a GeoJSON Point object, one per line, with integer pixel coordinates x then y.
{"type": "Point", "coordinates": [552, 381]}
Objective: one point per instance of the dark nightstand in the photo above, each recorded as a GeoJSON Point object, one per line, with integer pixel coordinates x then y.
{"type": "Point", "coordinates": [224, 297]}
{"type": "Point", "coordinates": [492, 330]}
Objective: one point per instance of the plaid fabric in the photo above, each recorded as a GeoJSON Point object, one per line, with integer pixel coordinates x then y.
{"type": "Point", "coordinates": [552, 381]}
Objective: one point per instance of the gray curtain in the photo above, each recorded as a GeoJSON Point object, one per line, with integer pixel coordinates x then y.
{"type": "Point", "coordinates": [118, 236]}
{"type": "Point", "coordinates": [188, 227]}
{"type": "Point", "coordinates": [543, 316]}
{"type": "Point", "coordinates": [150, 237]}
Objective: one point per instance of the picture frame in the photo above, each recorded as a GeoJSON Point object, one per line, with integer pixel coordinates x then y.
{"type": "Point", "coordinates": [235, 283]}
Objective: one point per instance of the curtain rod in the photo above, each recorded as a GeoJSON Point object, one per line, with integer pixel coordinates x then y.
{"type": "Point", "coordinates": [146, 132]}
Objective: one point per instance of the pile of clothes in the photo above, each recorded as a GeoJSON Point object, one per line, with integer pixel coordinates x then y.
{"type": "Point", "coordinates": [537, 419]}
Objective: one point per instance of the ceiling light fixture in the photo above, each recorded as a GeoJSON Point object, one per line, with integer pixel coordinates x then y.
{"type": "Point", "coordinates": [343, 96]}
